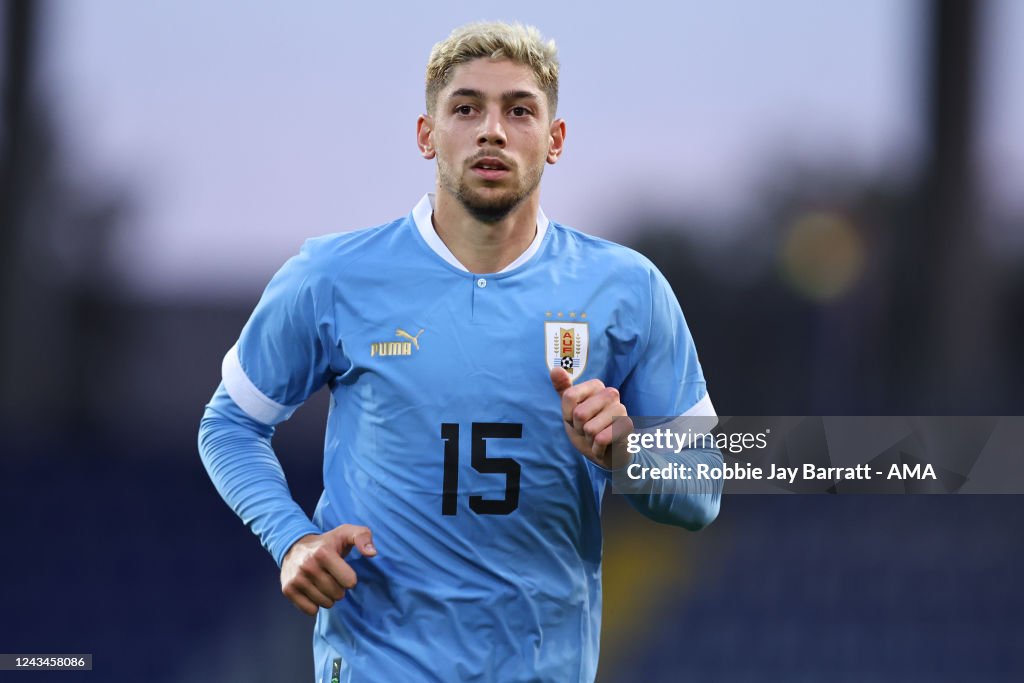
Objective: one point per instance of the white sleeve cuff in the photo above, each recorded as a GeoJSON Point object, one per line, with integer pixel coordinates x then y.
{"type": "Point", "coordinates": [702, 408]}
{"type": "Point", "coordinates": [242, 391]}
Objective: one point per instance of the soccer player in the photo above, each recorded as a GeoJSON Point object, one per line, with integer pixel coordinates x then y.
{"type": "Point", "coordinates": [463, 470]}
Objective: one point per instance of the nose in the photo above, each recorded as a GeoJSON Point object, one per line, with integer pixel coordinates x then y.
{"type": "Point", "coordinates": [491, 130]}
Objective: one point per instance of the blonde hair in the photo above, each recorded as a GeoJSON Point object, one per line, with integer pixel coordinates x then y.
{"type": "Point", "coordinates": [495, 40]}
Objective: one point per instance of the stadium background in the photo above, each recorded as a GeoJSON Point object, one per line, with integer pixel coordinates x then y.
{"type": "Point", "coordinates": [833, 190]}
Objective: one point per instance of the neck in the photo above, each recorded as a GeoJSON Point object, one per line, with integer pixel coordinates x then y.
{"type": "Point", "coordinates": [480, 246]}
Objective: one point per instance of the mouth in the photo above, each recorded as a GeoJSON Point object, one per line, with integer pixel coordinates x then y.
{"type": "Point", "coordinates": [490, 168]}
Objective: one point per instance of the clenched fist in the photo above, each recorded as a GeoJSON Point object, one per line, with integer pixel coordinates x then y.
{"type": "Point", "coordinates": [588, 411]}
{"type": "Point", "coordinates": [313, 573]}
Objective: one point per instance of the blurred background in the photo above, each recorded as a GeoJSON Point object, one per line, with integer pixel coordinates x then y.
{"type": "Point", "coordinates": [834, 190]}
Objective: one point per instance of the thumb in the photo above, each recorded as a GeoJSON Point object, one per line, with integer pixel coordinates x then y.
{"type": "Point", "coordinates": [359, 537]}
{"type": "Point", "coordinates": [560, 380]}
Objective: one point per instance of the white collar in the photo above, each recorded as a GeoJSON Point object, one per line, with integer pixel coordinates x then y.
{"type": "Point", "coordinates": [424, 210]}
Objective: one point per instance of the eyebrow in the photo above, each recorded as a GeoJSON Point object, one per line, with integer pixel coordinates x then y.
{"type": "Point", "coordinates": [506, 96]}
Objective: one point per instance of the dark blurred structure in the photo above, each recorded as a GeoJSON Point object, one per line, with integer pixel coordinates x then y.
{"type": "Point", "coordinates": [865, 588]}
{"type": "Point", "coordinates": [845, 295]}
{"type": "Point", "coordinates": [851, 295]}
{"type": "Point", "coordinates": [58, 301]}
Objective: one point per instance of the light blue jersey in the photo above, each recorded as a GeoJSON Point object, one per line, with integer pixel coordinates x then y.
{"type": "Point", "coordinates": [445, 438]}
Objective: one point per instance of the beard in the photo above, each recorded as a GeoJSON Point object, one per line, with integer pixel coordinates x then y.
{"type": "Point", "coordinates": [487, 207]}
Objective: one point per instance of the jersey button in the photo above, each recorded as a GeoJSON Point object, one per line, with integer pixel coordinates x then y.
{"type": "Point", "coordinates": [481, 283]}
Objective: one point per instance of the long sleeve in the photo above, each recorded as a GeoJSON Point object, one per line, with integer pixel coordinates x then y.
{"type": "Point", "coordinates": [282, 357]}
{"type": "Point", "coordinates": [689, 503]}
{"type": "Point", "coordinates": [237, 454]}
{"type": "Point", "coordinates": [666, 382]}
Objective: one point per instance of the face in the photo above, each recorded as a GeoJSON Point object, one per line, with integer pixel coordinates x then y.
{"type": "Point", "coordinates": [491, 134]}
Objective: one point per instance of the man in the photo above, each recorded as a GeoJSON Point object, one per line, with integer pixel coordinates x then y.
{"type": "Point", "coordinates": [463, 472]}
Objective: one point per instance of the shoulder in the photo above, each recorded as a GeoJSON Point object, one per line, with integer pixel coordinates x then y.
{"type": "Point", "coordinates": [335, 251]}
{"type": "Point", "coordinates": [331, 257]}
{"type": "Point", "coordinates": [324, 262]}
{"type": "Point", "coordinates": [576, 247]}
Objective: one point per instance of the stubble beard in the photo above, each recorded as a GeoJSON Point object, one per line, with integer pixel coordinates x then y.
{"type": "Point", "coordinates": [491, 207]}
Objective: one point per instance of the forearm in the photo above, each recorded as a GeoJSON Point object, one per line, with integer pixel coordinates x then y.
{"type": "Point", "coordinates": [242, 464]}
{"type": "Point", "coordinates": [691, 503]}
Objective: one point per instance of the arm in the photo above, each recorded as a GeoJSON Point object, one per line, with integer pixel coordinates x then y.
{"type": "Point", "coordinates": [282, 357]}
{"type": "Point", "coordinates": [597, 422]}
{"type": "Point", "coordinates": [663, 379]}
{"type": "Point", "coordinates": [238, 456]}
{"type": "Point", "coordinates": [236, 451]}
{"type": "Point", "coordinates": [690, 503]}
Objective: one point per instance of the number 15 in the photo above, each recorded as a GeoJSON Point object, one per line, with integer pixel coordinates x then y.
{"type": "Point", "coordinates": [481, 463]}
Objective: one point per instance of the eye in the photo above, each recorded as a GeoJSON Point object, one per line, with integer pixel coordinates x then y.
{"type": "Point", "coordinates": [520, 111]}
{"type": "Point", "coordinates": [463, 110]}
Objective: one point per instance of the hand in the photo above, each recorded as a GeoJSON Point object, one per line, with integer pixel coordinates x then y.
{"type": "Point", "coordinates": [588, 412]}
{"type": "Point", "coordinates": [314, 575]}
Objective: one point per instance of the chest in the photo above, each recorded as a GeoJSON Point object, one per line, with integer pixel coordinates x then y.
{"type": "Point", "coordinates": [464, 335]}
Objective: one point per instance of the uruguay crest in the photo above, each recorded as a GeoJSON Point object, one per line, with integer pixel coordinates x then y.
{"type": "Point", "coordinates": [566, 345]}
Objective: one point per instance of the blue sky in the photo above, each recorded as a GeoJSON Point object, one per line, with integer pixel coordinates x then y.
{"type": "Point", "coordinates": [244, 128]}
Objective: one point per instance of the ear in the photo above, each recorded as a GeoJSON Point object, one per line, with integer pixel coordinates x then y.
{"type": "Point", "coordinates": [557, 137]}
{"type": "Point", "coordinates": [425, 136]}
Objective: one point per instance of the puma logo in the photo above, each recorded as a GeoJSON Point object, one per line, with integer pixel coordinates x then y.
{"type": "Point", "coordinates": [393, 348]}
{"type": "Point", "coordinates": [405, 335]}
